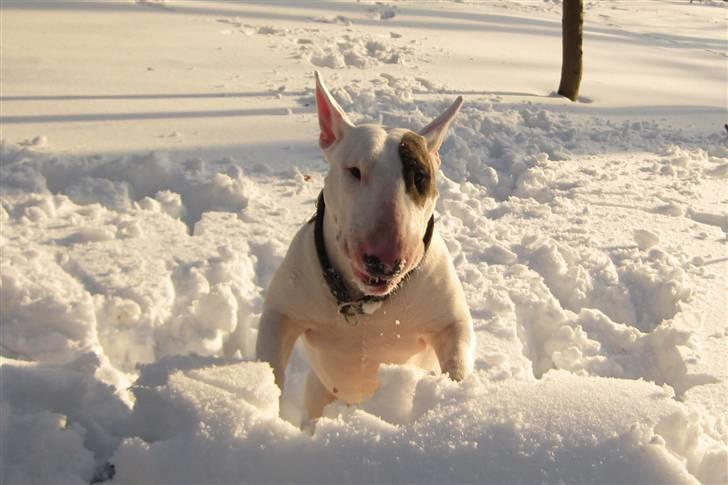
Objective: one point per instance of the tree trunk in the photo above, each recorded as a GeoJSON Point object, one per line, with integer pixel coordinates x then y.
{"type": "Point", "coordinates": [573, 31]}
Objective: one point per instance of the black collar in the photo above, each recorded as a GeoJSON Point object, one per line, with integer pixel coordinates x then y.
{"type": "Point", "coordinates": [348, 307]}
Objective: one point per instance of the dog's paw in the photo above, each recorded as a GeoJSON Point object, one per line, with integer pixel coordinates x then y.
{"type": "Point", "coordinates": [308, 426]}
{"type": "Point", "coordinates": [455, 370]}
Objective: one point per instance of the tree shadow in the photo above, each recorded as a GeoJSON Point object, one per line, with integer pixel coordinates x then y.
{"type": "Point", "coordinates": [90, 97]}
{"type": "Point", "coordinates": [466, 92]}
{"type": "Point", "coordinates": [150, 115]}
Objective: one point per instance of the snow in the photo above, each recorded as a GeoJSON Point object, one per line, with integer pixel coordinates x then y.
{"type": "Point", "coordinates": [431, 431]}
{"type": "Point", "coordinates": [158, 156]}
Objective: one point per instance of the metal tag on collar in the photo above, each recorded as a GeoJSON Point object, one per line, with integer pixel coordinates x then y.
{"type": "Point", "coordinates": [351, 312]}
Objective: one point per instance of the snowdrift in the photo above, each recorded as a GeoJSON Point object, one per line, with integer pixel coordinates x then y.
{"type": "Point", "coordinates": [139, 234]}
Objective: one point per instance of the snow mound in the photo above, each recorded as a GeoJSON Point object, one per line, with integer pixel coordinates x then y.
{"type": "Point", "coordinates": [183, 190]}
{"type": "Point", "coordinates": [63, 423]}
{"type": "Point", "coordinates": [511, 149]}
{"type": "Point", "coordinates": [45, 449]}
{"type": "Point", "coordinates": [336, 49]}
{"type": "Point", "coordinates": [220, 413]}
{"type": "Point", "coordinates": [358, 52]}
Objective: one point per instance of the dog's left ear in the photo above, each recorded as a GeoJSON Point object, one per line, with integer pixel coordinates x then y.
{"type": "Point", "coordinates": [436, 131]}
{"type": "Point", "coordinates": [332, 119]}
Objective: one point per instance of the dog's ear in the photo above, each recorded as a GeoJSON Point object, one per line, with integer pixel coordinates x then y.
{"type": "Point", "coordinates": [435, 132]}
{"type": "Point", "coordinates": [332, 119]}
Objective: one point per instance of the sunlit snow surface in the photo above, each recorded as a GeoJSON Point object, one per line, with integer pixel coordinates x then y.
{"type": "Point", "coordinates": [158, 156]}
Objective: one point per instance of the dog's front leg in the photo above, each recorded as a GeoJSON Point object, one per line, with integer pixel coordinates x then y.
{"type": "Point", "coordinates": [315, 398]}
{"type": "Point", "coordinates": [276, 336]}
{"type": "Point", "coordinates": [453, 346]}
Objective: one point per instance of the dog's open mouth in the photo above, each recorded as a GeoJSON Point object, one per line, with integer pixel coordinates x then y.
{"type": "Point", "coordinates": [374, 285]}
{"type": "Point", "coordinates": [376, 282]}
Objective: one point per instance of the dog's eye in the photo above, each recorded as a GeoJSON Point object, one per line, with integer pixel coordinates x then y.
{"type": "Point", "coordinates": [355, 172]}
{"type": "Point", "coordinates": [420, 180]}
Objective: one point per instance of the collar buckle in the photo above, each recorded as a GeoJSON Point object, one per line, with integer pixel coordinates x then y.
{"type": "Point", "coordinates": [350, 311]}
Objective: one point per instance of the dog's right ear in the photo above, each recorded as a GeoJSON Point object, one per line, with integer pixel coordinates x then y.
{"type": "Point", "coordinates": [435, 132]}
{"type": "Point", "coordinates": [332, 119]}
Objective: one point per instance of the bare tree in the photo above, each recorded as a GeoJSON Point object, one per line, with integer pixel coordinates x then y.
{"type": "Point", "coordinates": [573, 32]}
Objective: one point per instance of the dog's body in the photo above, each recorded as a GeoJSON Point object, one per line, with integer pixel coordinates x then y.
{"type": "Point", "coordinates": [369, 281]}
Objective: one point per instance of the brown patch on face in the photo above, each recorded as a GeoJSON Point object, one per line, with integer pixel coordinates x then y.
{"type": "Point", "coordinates": [418, 168]}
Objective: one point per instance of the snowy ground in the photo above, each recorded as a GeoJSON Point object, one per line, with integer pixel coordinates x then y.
{"type": "Point", "coordinates": [157, 158]}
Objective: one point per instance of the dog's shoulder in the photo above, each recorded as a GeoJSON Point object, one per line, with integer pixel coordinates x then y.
{"type": "Point", "coordinates": [298, 288]}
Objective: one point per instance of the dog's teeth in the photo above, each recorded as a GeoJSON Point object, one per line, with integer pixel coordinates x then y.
{"type": "Point", "coordinates": [376, 281]}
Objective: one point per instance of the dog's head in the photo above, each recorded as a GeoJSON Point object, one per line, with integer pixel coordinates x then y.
{"type": "Point", "coordinates": [380, 191]}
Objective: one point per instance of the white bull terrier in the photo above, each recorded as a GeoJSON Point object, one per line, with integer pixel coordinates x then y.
{"type": "Point", "coordinates": [368, 280]}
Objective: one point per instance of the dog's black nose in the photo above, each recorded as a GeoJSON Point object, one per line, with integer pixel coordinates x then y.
{"type": "Point", "coordinates": [375, 267]}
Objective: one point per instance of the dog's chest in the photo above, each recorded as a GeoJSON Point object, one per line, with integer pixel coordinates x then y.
{"type": "Point", "coordinates": [346, 358]}
{"type": "Point", "coordinates": [388, 324]}
{"type": "Point", "coordinates": [390, 334]}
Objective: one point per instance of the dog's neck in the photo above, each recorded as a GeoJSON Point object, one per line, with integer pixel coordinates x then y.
{"type": "Point", "coordinates": [337, 258]}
